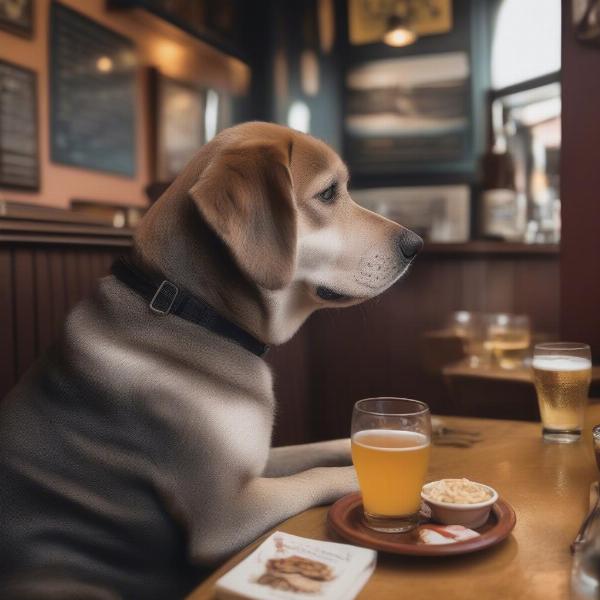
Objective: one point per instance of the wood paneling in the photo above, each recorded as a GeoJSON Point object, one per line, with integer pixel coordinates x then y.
{"type": "Point", "coordinates": [73, 287]}
{"type": "Point", "coordinates": [24, 309]}
{"type": "Point", "coordinates": [492, 399]}
{"type": "Point", "coordinates": [294, 421]}
{"type": "Point", "coordinates": [373, 349]}
{"type": "Point", "coordinates": [580, 189]}
{"type": "Point", "coordinates": [43, 301]}
{"type": "Point", "coordinates": [57, 296]}
{"type": "Point", "coordinates": [40, 281]}
{"type": "Point", "coordinates": [7, 328]}
{"type": "Point", "coordinates": [338, 357]}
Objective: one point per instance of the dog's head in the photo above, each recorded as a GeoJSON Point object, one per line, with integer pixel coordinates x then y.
{"type": "Point", "coordinates": [278, 200]}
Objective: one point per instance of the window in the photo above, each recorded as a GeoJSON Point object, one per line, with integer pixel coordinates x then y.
{"type": "Point", "coordinates": [526, 41]}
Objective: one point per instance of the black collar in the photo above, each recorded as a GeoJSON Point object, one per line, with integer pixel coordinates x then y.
{"type": "Point", "coordinates": [164, 297]}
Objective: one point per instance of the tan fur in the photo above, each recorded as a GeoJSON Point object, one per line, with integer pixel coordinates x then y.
{"type": "Point", "coordinates": [255, 187]}
{"type": "Point", "coordinates": [246, 196]}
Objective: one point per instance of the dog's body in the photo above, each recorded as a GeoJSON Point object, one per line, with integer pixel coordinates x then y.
{"type": "Point", "coordinates": [138, 452]}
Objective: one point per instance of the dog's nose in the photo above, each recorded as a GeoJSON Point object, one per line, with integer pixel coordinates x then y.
{"type": "Point", "coordinates": [409, 243]}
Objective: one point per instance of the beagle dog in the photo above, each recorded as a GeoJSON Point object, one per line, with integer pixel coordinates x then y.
{"type": "Point", "coordinates": [136, 453]}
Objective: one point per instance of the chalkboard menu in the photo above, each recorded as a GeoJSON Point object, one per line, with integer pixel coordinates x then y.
{"type": "Point", "coordinates": [19, 162]}
{"type": "Point", "coordinates": [92, 94]}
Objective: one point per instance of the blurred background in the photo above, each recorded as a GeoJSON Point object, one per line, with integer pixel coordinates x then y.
{"type": "Point", "coordinates": [473, 122]}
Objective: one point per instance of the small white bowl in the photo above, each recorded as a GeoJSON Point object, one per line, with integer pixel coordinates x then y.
{"type": "Point", "coordinates": [468, 515]}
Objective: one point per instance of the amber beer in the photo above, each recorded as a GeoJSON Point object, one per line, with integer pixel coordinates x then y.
{"type": "Point", "coordinates": [562, 384]}
{"type": "Point", "coordinates": [508, 347]}
{"type": "Point", "coordinates": [390, 451]}
{"type": "Point", "coordinates": [508, 338]}
{"type": "Point", "coordinates": [391, 468]}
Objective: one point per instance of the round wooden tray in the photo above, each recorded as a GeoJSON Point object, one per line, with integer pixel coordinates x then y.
{"type": "Point", "coordinates": [345, 517]}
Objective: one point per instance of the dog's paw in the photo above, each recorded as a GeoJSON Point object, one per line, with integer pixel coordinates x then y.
{"type": "Point", "coordinates": [331, 483]}
{"type": "Point", "coordinates": [342, 450]}
{"type": "Point", "coordinates": [348, 481]}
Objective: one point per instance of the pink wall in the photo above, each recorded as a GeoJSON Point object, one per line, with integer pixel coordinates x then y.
{"type": "Point", "coordinates": [159, 45]}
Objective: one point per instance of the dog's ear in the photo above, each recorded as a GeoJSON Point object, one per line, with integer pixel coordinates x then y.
{"type": "Point", "coordinates": [246, 196]}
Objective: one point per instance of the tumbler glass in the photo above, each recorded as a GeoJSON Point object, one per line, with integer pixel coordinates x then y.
{"type": "Point", "coordinates": [562, 373]}
{"type": "Point", "coordinates": [391, 440]}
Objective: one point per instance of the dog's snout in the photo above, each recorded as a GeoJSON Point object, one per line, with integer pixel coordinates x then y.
{"type": "Point", "coordinates": [409, 243]}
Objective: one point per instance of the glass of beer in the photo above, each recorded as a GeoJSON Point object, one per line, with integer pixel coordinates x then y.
{"type": "Point", "coordinates": [562, 373]}
{"type": "Point", "coordinates": [508, 338]}
{"type": "Point", "coordinates": [391, 440]}
{"type": "Point", "coordinates": [470, 327]}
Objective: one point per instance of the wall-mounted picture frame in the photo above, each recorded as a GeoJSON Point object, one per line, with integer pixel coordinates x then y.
{"type": "Point", "coordinates": [19, 145]}
{"type": "Point", "coordinates": [410, 114]}
{"type": "Point", "coordinates": [16, 16]}
{"type": "Point", "coordinates": [177, 123]}
{"type": "Point", "coordinates": [436, 213]}
{"type": "Point", "coordinates": [184, 115]}
{"type": "Point", "coordinates": [368, 20]}
{"type": "Point", "coordinates": [92, 94]}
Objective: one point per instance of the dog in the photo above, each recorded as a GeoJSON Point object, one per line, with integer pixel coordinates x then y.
{"type": "Point", "coordinates": [136, 453]}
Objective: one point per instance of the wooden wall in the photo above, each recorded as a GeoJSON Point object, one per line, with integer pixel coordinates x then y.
{"type": "Point", "coordinates": [373, 350]}
{"type": "Point", "coordinates": [580, 189]}
{"type": "Point", "coordinates": [40, 281]}
{"type": "Point", "coordinates": [338, 357]}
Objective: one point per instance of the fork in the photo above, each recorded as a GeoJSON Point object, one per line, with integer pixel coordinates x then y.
{"type": "Point", "coordinates": [444, 430]}
{"type": "Point", "coordinates": [453, 440]}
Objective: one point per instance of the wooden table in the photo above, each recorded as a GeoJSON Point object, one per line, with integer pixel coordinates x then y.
{"type": "Point", "coordinates": [497, 373]}
{"type": "Point", "coordinates": [493, 392]}
{"type": "Point", "coordinates": [548, 486]}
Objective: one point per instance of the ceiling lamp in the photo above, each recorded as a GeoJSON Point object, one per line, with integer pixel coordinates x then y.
{"type": "Point", "coordinates": [399, 32]}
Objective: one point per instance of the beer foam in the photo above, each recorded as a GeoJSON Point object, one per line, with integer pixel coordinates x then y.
{"type": "Point", "coordinates": [561, 363]}
{"type": "Point", "coordinates": [412, 439]}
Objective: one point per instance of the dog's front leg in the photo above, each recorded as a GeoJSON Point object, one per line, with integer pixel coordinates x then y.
{"type": "Point", "coordinates": [259, 505]}
{"type": "Point", "coordinates": [287, 460]}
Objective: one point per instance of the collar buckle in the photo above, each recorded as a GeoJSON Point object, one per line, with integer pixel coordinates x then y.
{"type": "Point", "coordinates": [164, 298]}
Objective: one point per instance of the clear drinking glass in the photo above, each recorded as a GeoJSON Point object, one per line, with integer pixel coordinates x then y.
{"type": "Point", "coordinates": [508, 338]}
{"type": "Point", "coordinates": [585, 571]}
{"type": "Point", "coordinates": [562, 374]}
{"type": "Point", "coordinates": [471, 328]}
{"type": "Point", "coordinates": [391, 439]}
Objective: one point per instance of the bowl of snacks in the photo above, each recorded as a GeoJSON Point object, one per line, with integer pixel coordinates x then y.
{"type": "Point", "coordinates": [459, 501]}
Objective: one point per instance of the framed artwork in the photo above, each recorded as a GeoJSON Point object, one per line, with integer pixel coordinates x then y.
{"type": "Point", "coordinates": [436, 213]}
{"type": "Point", "coordinates": [16, 16]}
{"type": "Point", "coordinates": [407, 114]}
{"type": "Point", "coordinates": [19, 147]}
{"type": "Point", "coordinates": [586, 20]}
{"type": "Point", "coordinates": [184, 116]}
{"type": "Point", "coordinates": [368, 19]}
{"type": "Point", "coordinates": [178, 126]}
{"type": "Point", "coordinates": [92, 94]}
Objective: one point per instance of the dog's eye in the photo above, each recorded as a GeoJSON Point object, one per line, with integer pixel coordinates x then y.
{"type": "Point", "coordinates": [328, 195]}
